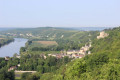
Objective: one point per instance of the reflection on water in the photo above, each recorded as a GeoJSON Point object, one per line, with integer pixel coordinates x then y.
{"type": "Point", "coordinates": [13, 47]}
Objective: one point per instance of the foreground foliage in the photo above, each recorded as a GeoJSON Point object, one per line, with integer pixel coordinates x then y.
{"type": "Point", "coordinates": [4, 74]}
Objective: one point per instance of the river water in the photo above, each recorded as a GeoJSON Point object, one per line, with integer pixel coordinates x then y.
{"type": "Point", "coordinates": [13, 47]}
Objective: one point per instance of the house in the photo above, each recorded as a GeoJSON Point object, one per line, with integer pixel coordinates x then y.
{"type": "Point", "coordinates": [49, 54]}
{"type": "Point", "coordinates": [45, 57]}
{"type": "Point", "coordinates": [7, 58]}
{"type": "Point", "coordinates": [90, 44]}
{"type": "Point", "coordinates": [73, 51]}
{"type": "Point", "coordinates": [82, 51]}
{"type": "Point", "coordinates": [89, 52]}
{"type": "Point", "coordinates": [12, 68]}
{"type": "Point", "coordinates": [54, 55]}
{"type": "Point", "coordinates": [75, 56]}
{"type": "Point", "coordinates": [70, 55]}
{"type": "Point", "coordinates": [70, 51]}
{"type": "Point", "coordinates": [21, 34]}
{"type": "Point", "coordinates": [18, 56]}
{"type": "Point", "coordinates": [18, 65]}
{"type": "Point", "coordinates": [58, 56]}
{"type": "Point", "coordinates": [81, 56]}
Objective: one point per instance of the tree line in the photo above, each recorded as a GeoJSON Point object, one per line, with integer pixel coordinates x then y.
{"type": "Point", "coordinates": [5, 41]}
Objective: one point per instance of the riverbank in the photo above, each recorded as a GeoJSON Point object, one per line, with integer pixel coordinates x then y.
{"type": "Point", "coordinates": [4, 41]}
{"type": "Point", "coordinates": [13, 47]}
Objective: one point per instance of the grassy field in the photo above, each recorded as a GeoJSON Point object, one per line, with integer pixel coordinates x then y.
{"type": "Point", "coordinates": [43, 43]}
{"type": "Point", "coordinates": [47, 43]}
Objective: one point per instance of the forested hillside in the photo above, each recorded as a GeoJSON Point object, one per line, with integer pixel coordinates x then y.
{"type": "Point", "coordinates": [102, 64]}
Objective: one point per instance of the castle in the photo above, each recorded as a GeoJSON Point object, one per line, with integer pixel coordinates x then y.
{"type": "Point", "coordinates": [102, 35]}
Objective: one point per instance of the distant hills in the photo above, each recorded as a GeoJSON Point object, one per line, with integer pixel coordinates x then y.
{"type": "Point", "coordinates": [91, 28]}
{"type": "Point", "coordinates": [66, 28]}
{"type": "Point", "coordinates": [51, 33]}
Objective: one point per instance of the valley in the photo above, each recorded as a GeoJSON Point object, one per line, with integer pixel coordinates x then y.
{"type": "Point", "coordinates": [68, 57]}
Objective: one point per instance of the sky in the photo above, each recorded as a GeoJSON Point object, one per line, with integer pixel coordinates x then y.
{"type": "Point", "coordinates": [59, 13]}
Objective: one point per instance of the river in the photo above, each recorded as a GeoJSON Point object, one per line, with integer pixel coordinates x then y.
{"type": "Point", "coordinates": [13, 47]}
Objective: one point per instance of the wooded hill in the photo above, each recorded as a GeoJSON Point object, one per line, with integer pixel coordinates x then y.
{"type": "Point", "coordinates": [102, 64]}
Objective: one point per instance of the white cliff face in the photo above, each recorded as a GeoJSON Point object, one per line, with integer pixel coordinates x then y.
{"type": "Point", "coordinates": [102, 35]}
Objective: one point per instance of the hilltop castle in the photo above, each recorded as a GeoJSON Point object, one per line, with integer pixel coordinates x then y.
{"type": "Point", "coordinates": [102, 35]}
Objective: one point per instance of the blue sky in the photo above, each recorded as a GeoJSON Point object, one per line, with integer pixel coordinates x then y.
{"type": "Point", "coordinates": [59, 13]}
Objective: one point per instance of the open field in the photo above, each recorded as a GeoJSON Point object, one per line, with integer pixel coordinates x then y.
{"type": "Point", "coordinates": [45, 43]}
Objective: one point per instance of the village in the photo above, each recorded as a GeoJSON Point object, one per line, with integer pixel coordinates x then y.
{"type": "Point", "coordinates": [78, 53]}
{"type": "Point", "coordinates": [73, 53]}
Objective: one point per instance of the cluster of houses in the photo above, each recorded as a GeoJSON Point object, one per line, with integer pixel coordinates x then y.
{"type": "Point", "coordinates": [27, 34]}
{"type": "Point", "coordinates": [7, 58]}
{"type": "Point", "coordinates": [74, 53]}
